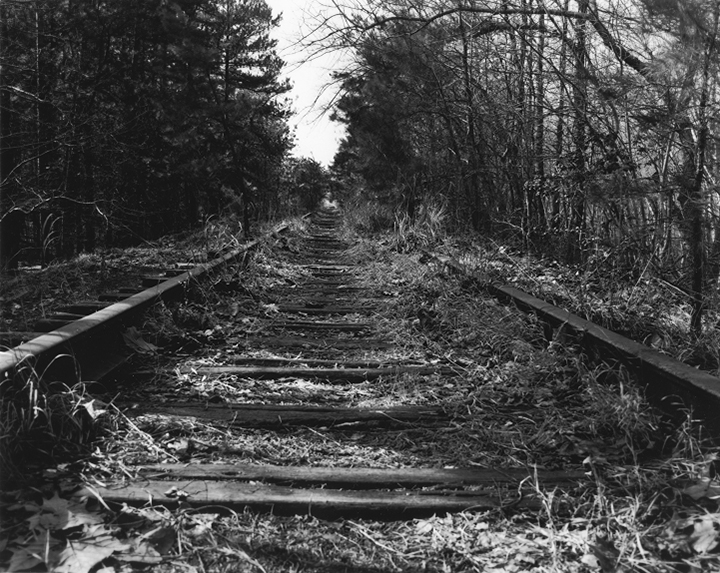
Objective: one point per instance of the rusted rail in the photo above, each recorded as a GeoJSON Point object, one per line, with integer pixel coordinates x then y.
{"type": "Point", "coordinates": [670, 383]}
{"type": "Point", "coordinates": [94, 343]}
{"type": "Point", "coordinates": [331, 322]}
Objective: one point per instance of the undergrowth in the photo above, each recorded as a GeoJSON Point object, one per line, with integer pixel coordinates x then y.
{"type": "Point", "coordinates": [43, 423]}
{"type": "Point", "coordinates": [632, 300]}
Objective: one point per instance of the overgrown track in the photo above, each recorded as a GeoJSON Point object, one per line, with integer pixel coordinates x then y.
{"type": "Point", "coordinates": [338, 378]}
{"type": "Point", "coordinates": [322, 332]}
{"type": "Point", "coordinates": [87, 335]}
{"type": "Point", "coordinates": [324, 329]}
{"type": "Point", "coordinates": [670, 384]}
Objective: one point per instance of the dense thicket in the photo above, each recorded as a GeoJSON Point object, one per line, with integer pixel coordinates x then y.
{"type": "Point", "coordinates": [129, 119]}
{"type": "Point", "coordinates": [589, 130]}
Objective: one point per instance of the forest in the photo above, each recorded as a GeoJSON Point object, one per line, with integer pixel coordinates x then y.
{"type": "Point", "coordinates": [123, 121]}
{"type": "Point", "coordinates": [586, 131]}
{"type": "Point", "coordinates": [583, 131]}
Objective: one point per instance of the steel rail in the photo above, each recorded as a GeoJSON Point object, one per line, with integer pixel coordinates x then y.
{"type": "Point", "coordinates": [669, 383]}
{"type": "Point", "coordinates": [93, 345]}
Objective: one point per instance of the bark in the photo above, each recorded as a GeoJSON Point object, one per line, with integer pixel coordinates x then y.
{"type": "Point", "coordinates": [577, 205]}
{"type": "Point", "coordinates": [697, 200]}
{"type": "Point", "coordinates": [478, 215]}
{"type": "Point", "coordinates": [11, 220]}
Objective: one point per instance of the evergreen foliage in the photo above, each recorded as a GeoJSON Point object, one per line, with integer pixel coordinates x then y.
{"type": "Point", "coordinates": [130, 119]}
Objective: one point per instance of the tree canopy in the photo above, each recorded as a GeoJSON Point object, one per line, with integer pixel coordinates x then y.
{"type": "Point", "coordinates": [587, 130]}
{"type": "Point", "coordinates": [131, 119]}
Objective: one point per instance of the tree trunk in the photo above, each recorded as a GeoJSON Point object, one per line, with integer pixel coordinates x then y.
{"type": "Point", "coordinates": [11, 221]}
{"type": "Point", "coordinates": [88, 206]}
{"type": "Point", "coordinates": [697, 199]}
{"type": "Point", "coordinates": [577, 199]}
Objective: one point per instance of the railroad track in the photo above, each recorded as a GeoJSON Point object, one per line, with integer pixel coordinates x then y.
{"type": "Point", "coordinates": [321, 389]}
{"type": "Point", "coordinates": [324, 328]}
{"type": "Point", "coordinates": [86, 337]}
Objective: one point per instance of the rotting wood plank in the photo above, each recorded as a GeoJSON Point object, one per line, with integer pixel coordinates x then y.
{"type": "Point", "coordinates": [338, 267]}
{"type": "Point", "coordinates": [266, 415]}
{"type": "Point", "coordinates": [323, 325]}
{"type": "Point", "coordinates": [301, 309]}
{"type": "Point", "coordinates": [326, 374]}
{"type": "Point", "coordinates": [326, 244]}
{"type": "Point", "coordinates": [332, 274]}
{"type": "Point", "coordinates": [332, 299]}
{"type": "Point", "coordinates": [310, 362]}
{"type": "Point", "coordinates": [361, 478]}
{"type": "Point", "coordinates": [329, 282]}
{"type": "Point", "coordinates": [326, 256]}
{"type": "Point", "coordinates": [340, 297]}
{"type": "Point", "coordinates": [318, 343]}
{"type": "Point", "coordinates": [323, 503]}
{"type": "Point", "coordinates": [314, 299]}
{"type": "Point", "coordinates": [311, 287]}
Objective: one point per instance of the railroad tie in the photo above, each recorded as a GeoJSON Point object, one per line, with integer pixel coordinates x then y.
{"type": "Point", "coordinates": [325, 334]}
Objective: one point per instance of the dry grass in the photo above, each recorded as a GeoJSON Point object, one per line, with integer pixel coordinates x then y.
{"type": "Point", "coordinates": [45, 423]}
{"type": "Point", "coordinates": [649, 502]}
{"type": "Point", "coordinates": [515, 400]}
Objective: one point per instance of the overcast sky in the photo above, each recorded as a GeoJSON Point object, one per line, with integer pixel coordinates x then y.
{"type": "Point", "coordinates": [317, 136]}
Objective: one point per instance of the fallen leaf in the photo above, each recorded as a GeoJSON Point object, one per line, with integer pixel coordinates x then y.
{"type": "Point", "coordinates": [57, 514]}
{"type": "Point", "coordinates": [134, 340]}
{"type": "Point", "coordinates": [162, 539]}
{"type": "Point", "coordinates": [82, 555]}
{"type": "Point", "coordinates": [140, 552]}
{"type": "Point", "coordinates": [94, 412]}
{"type": "Point", "coordinates": [591, 561]}
{"type": "Point", "coordinates": [26, 558]}
{"type": "Point", "coordinates": [423, 526]}
{"type": "Point", "coordinates": [271, 308]}
{"type": "Point", "coordinates": [607, 555]}
{"type": "Point", "coordinates": [704, 536]}
{"type": "Point", "coordinates": [703, 489]}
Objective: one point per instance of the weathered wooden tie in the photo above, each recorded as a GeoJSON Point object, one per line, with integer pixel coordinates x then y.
{"type": "Point", "coordinates": [335, 492]}
{"type": "Point", "coordinates": [322, 503]}
{"type": "Point", "coordinates": [326, 343]}
{"type": "Point", "coordinates": [277, 416]}
{"type": "Point", "coordinates": [328, 492]}
{"type": "Point", "coordinates": [361, 478]}
{"type": "Point", "coordinates": [325, 374]}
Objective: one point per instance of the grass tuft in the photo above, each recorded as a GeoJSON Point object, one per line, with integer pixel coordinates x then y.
{"type": "Point", "coordinates": [44, 422]}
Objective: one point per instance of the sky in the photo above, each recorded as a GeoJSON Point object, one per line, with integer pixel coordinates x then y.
{"type": "Point", "coordinates": [316, 136]}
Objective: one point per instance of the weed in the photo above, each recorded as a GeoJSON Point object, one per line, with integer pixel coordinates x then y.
{"type": "Point", "coordinates": [368, 217]}
{"type": "Point", "coordinates": [221, 235]}
{"type": "Point", "coordinates": [44, 422]}
{"type": "Point", "coordinates": [423, 230]}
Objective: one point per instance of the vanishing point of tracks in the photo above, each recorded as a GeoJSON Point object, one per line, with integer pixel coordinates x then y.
{"type": "Point", "coordinates": [325, 331]}
{"type": "Point", "coordinates": [322, 330]}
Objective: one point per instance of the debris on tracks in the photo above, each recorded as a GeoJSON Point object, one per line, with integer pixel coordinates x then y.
{"type": "Point", "coordinates": [542, 461]}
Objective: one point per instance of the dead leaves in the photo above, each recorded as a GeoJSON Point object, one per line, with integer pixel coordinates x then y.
{"type": "Point", "coordinates": [135, 342]}
{"type": "Point", "coordinates": [703, 489]}
{"type": "Point", "coordinates": [695, 535]}
{"type": "Point", "coordinates": [491, 550]}
{"type": "Point", "coordinates": [604, 555]}
{"type": "Point", "coordinates": [64, 536]}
